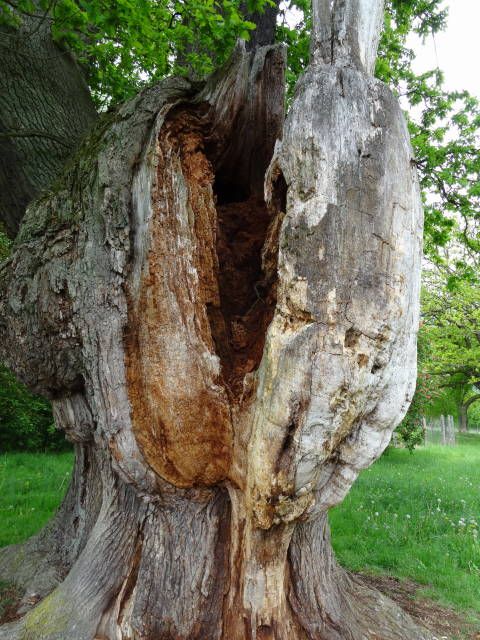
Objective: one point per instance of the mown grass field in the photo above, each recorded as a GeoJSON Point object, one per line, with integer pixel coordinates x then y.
{"type": "Point", "coordinates": [418, 516]}
{"type": "Point", "coordinates": [410, 515]}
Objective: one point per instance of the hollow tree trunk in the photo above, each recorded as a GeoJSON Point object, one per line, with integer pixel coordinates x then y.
{"type": "Point", "coordinates": [227, 362]}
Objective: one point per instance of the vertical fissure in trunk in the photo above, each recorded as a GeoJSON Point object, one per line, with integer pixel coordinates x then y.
{"type": "Point", "coordinates": [247, 296]}
{"type": "Point", "coordinates": [205, 297]}
{"type": "Point", "coordinates": [240, 284]}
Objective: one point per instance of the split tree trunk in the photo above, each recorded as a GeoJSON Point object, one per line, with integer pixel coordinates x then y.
{"type": "Point", "coordinates": [226, 362]}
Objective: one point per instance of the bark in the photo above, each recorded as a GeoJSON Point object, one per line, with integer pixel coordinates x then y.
{"type": "Point", "coordinates": [265, 21]}
{"type": "Point", "coordinates": [227, 361]}
{"type": "Point", "coordinates": [45, 109]}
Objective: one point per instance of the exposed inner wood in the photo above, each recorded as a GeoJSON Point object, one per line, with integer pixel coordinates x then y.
{"type": "Point", "coordinates": [245, 240]}
{"type": "Point", "coordinates": [206, 296]}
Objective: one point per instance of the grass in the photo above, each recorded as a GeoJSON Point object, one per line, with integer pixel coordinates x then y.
{"type": "Point", "coordinates": [417, 516]}
{"type": "Point", "coordinates": [410, 515]}
{"type": "Point", "coordinates": [31, 488]}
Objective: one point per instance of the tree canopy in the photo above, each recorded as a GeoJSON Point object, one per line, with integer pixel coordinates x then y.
{"type": "Point", "coordinates": [123, 46]}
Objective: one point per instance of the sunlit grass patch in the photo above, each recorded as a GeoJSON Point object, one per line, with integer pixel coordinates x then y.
{"type": "Point", "coordinates": [31, 488]}
{"type": "Point", "coordinates": [418, 516]}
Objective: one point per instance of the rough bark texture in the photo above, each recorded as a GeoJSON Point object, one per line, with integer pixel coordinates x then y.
{"type": "Point", "coordinates": [45, 109]}
{"type": "Point", "coordinates": [265, 21]}
{"type": "Point", "coordinates": [226, 363]}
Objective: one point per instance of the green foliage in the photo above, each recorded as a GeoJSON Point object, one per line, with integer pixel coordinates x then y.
{"type": "Point", "coordinates": [443, 403]}
{"type": "Point", "coordinates": [26, 421]}
{"type": "Point", "coordinates": [448, 351]}
{"type": "Point", "coordinates": [474, 416]}
{"type": "Point", "coordinates": [122, 45]}
{"type": "Point", "coordinates": [297, 39]}
{"type": "Point", "coordinates": [451, 322]}
{"type": "Point", "coordinates": [417, 517]}
{"type": "Point", "coordinates": [410, 429]}
{"type": "Point", "coordinates": [444, 129]}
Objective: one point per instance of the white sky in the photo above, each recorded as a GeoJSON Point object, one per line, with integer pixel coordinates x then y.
{"type": "Point", "coordinates": [456, 51]}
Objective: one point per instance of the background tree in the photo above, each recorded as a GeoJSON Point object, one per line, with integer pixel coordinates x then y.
{"type": "Point", "coordinates": [452, 327]}
{"type": "Point", "coordinates": [448, 351]}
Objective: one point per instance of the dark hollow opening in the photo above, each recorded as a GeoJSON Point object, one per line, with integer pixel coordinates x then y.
{"type": "Point", "coordinates": [247, 296]}
{"type": "Point", "coordinates": [246, 238]}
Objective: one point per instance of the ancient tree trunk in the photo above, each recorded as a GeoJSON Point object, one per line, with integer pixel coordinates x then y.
{"type": "Point", "coordinates": [226, 362]}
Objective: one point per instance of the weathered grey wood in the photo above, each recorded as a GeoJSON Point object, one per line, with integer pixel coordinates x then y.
{"type": "Point", "coordinates": [346, 33]}
{"type": "Point", "coordinates": [232, 360]}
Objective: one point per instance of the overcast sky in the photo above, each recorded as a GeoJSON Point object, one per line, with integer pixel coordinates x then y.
{"type": "Point", "coordinates": [456, 51]}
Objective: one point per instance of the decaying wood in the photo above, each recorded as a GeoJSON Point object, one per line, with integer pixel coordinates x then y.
{"type": "Point", "coordinates": [225, 316]}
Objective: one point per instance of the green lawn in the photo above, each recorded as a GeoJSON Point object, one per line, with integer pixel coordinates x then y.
{"type": "Point", "coordinates": [31, 487]}
{"type": "Point", "coordinates": [417, 516]}
{"type": "Point", "coordinates": [411, 515]}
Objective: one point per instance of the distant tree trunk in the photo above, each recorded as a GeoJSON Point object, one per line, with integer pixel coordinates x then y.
{"type": "Point", "coordinates": [225, 361]}
{"type": "Point", "coordinates": [463, 412]}
{"type": "Point", "coordinates": [265, 21]}
{"type": "Point", "coordinates": [462, 418]}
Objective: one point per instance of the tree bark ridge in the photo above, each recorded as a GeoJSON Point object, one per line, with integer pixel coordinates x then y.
{"type": "Point", "coordinates": [45, 110]}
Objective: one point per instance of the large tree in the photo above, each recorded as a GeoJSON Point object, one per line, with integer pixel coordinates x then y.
{"type": "Point", "coordinates": [223, 308]}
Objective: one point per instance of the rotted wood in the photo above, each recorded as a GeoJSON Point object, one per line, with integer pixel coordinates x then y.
{"type": "Point", "coordinates": [226, 314]}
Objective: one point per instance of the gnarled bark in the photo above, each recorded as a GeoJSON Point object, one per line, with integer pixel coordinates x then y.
{"type": "Point", "coordinates": [229, 360]}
